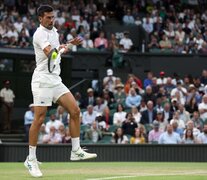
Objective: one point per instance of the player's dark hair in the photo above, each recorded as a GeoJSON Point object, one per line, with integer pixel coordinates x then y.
{"type": "Point", "coordinates": [44, 8]}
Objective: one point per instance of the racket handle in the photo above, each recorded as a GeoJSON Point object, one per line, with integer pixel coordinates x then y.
{"type": "Point", "coordinates": [61, 50]}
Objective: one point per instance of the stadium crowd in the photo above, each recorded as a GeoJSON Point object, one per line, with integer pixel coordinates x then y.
{"type": "Point", "coordinates": [177, 26]}
{"type": "Point", "coordinates": [165, 110]}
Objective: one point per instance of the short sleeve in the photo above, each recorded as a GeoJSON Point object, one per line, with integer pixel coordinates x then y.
{"type": "Point", "coordinates": [41, 39]}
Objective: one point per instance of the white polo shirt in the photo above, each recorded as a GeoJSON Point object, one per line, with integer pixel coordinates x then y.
{"type": "Point", "coordinates": [41, 39]}
{"type": "Point", "coordinates": [8, 95]}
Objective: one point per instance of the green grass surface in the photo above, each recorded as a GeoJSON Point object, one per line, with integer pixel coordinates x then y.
{"type": "Point", "coordinates": [109, 170]}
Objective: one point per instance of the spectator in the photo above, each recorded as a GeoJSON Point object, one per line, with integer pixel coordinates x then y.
{"type": "Point", "coordinates": [184, 115]}
{"type": "Point", "coordinates": [148, 80]}
{"type": "Point", "coordinates": [136, 114]}
{"type": "Point", "coordinates": [99, 107]}
{"type": "Point", "coordinates": [148, 115]}
{"type": "Point", "coordinates": [133, 99]}
{"type": "Point", "coordinates": [28, 119]}
{"type": "Point", "coordinates": [89, 116]}
{"type": "Point", "coordinates": [61, 115]}
{"type": "Point", "coordinates": [190, 125]}
{"type": "Point", "coordinates": [176, 117]}
{"type": "Point", "coordinates": [90, 99]}
{"type": "Point", "coordinates": [189, 137]}
{"type": "Point", "coordinates": [119, 116]}
{"type": "Point", "coordinates": [126, 43]}
{"type": "Point", "coordinates": [162, 80]}
{"type": "Point", "coordinates": [109, 80]}
{"type": "Point", "coordinates": [137, 138]}
{"type": "Point", "coordinates": [181, 92]}
{"type": "Point", "coordinates": [198, 122]}
{"type": "Point", "coordinates": [129, 125]}
{"type": "Point", "coordinates": [128, 18]}
{"type": "Point", "coordinates": [155, 133]}
{"type": "Point", "coordinates": [153, 45]}
{"type": "Point", "coordinates": [202, 107]}
{"type": "Point", "coordinates": [203, 78]}
{"type": "Point", "coordinates": [165, 44]}
{"type": "Point", "coordinates": [61, 131]}
{"type": "Point", "coordinates": [169, 137]}
{"type": "Point", "coordinates": [119, 95]}
{"type": "Point", "coordinates": [149, 95]}
{"type": "Point", "coordinates": [132, 78]}
{"type": "Point", "coordinates": [168, 114]}
{"type": "Point", "coordinates": [94, 133]}
{"type": "Point", "coordinates": [7, 100]}
{"type": "Point", "coordinates": [67, 137]}
{"type": "Point", "coordinates": [169, 86]}
{"type": "Point", "coordinates": [52, 122]}
{"type": "Point", "coordinates": [148, 26]}
{"type": "Point", "coordinates": [41, 134]}
{"type": "Point", "coordinates": [52, 137]}
{"type": "Point", "coordinates": [180, 33]}
{"type": "Point", "coordinates": [176, 129]}
{"type": "Point", "coordinates": [101, 42]}
{"type": "Point", "coordinates": [119, 137]}
{"type": "Point", "coordinates": [202, 138]}
{"type": "Point", "coordinates": [160, 119]}
{"type": "Point", "coordinates": [87, 42]}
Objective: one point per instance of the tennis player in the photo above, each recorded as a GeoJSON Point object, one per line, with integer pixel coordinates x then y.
{"type": "Point", "coordinates": [47, 86]}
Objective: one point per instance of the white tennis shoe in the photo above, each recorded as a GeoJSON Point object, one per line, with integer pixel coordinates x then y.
{"type": "Point", "coordinates": [81, 154]}
{"type": "Point", "coordinates": [33, 167]}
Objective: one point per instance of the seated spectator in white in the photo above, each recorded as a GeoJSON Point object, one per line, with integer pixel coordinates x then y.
{"type": "Point", "coordinates": [162, 80]}
{"type": "Point", "coordinates": [128, 18]}
{"type": "Point", "coordinates": [176, 129]}
{"type": "Point", "coordinates": [199, 40]}
{"type": "Point", "coordinates": [189, 138]}
{"type": "Point", "coordinates": [18, 24]}
{"type": "Point", "coordinates": [198, 122]}
{"type": "Point", "coordinates": [190, 125]}
{"type": "Point", "coordinates": [52, 122]}
{"type": "Point", "coordinates": [99, 107]}
{"type": "Point", "coordinates": [202, 107]}
{"type": "Point", "coordinates": [148, 115]}
{"type": "Point", "coordinates": [137, 138]}
{"type": "Point", "coordinates": [169, 137]}
{"type": "Point", "coordinates": [94, 133]}
{"type": "Point", "coordinates": [136, 114]}
{"type": "Point", "coordinates": [181, 91]}
{"type": "Point", "coordinates": [60, 19]}
{"type": "Point", "coordinates": [133, 99]}
{"type": "Point", "coordinates": [87, 42]}
{"type": "Point", "coordinates": [129, 125]}
{"type": "Point", "coordinates": [159, 104]}
{"type": "Point", "coordinates": [101, 42]}
{"type": "Point", "coordinates": [176, 117]}
{"type": "Point", "coordinates": [61, 115]}
{"type": "Point", "coordinates": [169, 32]}
{"type": "Point", "coordinates": [184, 115]}
{"type": "Point", "coordinates": [160, 119]}
{"type": "Point", "coordinates": [84, 23]}
{"type": "Point", "coordinates": [100, 120]}
{"type": "Point", "coordinates": [165, 43]}
{"type": "Point", "coordinates": [202, 138]}
{"type": "Point", "coordinates": [12, 32]}
{"type": "Point", "coordinates": [174, 105]}
{"type": "Point", "coordinates": [119, 94]}
{"type": "Point", "coordinates": [70, 36]}
{"type": "Point", "coordinates": [28, 119]}
{"type": "Point", "coordinates": [89, 116]}
{"type": "Point", "coordinates": [125, 42]}
{"type": "Point", "coordinates": [180, 33]}
{"type": "Point", "coordinates": [109, 80]}
{"type": "Point", "coordinates": [155, 133]}
{"type": "Point", "coordinates": [41, 134]}
{"type": "Point", "coordinates": [53, 137]}
{"type": "Point", "coordinates": [148, 26]}
{"type": "Point", "coordinates": [119, 116]}
{"type": "Point", "coordinates": [142, 106]}
{"type": "Point", "coordinates": [119, 137]}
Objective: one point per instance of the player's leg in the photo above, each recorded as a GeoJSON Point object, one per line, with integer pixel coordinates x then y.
{"type": "Point", "coordinates": [31, 162]}
{"type": "Point", "coordinates": [68, 102]}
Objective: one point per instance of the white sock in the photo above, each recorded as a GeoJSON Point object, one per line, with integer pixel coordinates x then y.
{"type": "Point", "coordinates": [32, 152]}
{"type": "Point", "coordinates": [75, 143]}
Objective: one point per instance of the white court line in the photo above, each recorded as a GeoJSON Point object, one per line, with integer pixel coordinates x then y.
{"type": "Point", "coordinates": [141, 175]}
{"type": "Point", "coordinates": [114, 177]}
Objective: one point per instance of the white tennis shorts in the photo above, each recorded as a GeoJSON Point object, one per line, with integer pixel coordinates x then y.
{"type": "Point", "coordinates": [45, 95]}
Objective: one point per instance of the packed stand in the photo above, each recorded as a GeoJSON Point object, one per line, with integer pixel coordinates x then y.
{"type": "Point", "coordinates": [157, 110]}
{"type": "Point", "coordinates": [170, 26]}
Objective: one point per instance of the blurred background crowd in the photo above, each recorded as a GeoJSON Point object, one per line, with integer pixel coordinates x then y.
{"type": "Point", "coordinates": [177, 26]}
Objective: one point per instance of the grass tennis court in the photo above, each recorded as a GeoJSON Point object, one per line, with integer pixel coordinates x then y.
{"type": "Point", "coordinates": [109, 170]}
